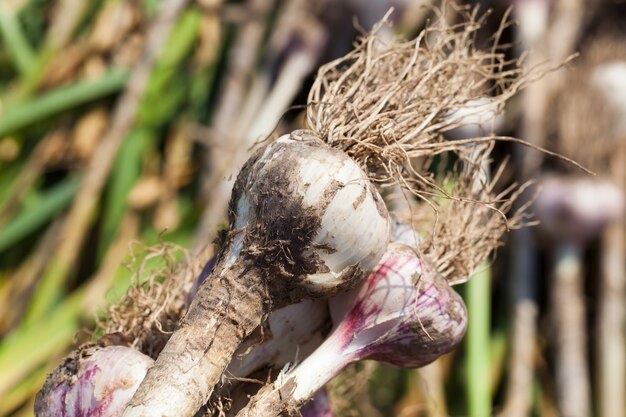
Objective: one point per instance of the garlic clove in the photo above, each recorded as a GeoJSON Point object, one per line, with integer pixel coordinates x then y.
{"type": "Point", "coordinates": [401, 232]}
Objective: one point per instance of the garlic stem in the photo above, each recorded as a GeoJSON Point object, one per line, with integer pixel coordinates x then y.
{"type": "Point", "coordinates": [320, 367]}
{"type": "Point", "coordinates": [295, 332]}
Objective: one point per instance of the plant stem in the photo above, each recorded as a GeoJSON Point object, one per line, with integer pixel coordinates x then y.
{"type": "Point", "coordinates": [295, 387]}
{"type": "Point", "coordinates": [15, 41]}
{"type": "Point", "coordinates": [41, 339]}
{"type": "Point", "coordinates": [126, 171]}
{"type": "Point", "coordinates": [477, 343]}
{"type": "Point", "coordinates": [33, 217]}
{"type": "Point", "coordinates": [431, 380]}
{"type": "Point", "coordinates": [610, 340]}
{"type": "Point", "coordinates": [611, 357]}
{"type": "Point", "coordinates": [22, 115]}
{"type": "Point", "coordinates": [519, 394]}
{"type": "Point", "coordinates": [572, 379]}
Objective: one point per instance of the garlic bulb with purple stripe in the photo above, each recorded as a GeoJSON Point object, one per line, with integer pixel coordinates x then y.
{"type": "Point", "coordinates": [93, 381]}
{"type": "Point", "coordinates": [404, 314]}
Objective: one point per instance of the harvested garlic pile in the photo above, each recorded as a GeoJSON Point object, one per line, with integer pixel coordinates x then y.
{"type": "Point", "coordinates": [307, 222]}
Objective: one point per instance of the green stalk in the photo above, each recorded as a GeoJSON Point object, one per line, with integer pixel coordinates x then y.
{"type": "Point", "coordinates": [15, 42]}
{"type": "Point", "coordinates": [30, 81]}
{"type": "Point", "coordinates": [498, 355]}
{"type": "Point", "coordinates": [59, 100]}
{"type": "Point", "coordinates": [155, 107]}
{"type": "Point", "coordinates": [477, 343]}
{"type": "Point", "coordinates": [124, 175]}
{"type": "Point", "coordinates": [38, 213]}
{"type": "Point", "coordinates": [49, 291]}
{"type": "Point", "coordinates": [8, 173]}
{"type": "Point", "coordinates": [24, 390]}
{"type": "Point", "coordinates": [38, 340]}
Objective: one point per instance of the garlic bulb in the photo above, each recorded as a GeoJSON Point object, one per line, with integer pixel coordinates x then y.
{"type": "Point", "coordinates": [305, 222]}
{"type": "Point", "coordinates": [404, 314]}
{"type": "Point", "coordinates": [575, 210]}
{"type": "Point", "coordinates": [93, 381]}
{"type": "Point", "coordinates": [312, 213]}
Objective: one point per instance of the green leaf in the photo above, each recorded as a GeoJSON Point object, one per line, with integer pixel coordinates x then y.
{"type": "Point", "coordinates": [48, 204]}
{"type": "Point", "coordinates": [24, 114]}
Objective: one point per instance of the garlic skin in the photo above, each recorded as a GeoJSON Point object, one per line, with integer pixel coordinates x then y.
{"type": "Point", "coordinates": [204, 274]}
{"type": "Point", "coordinates": [401, 233]}
{"type": "Point", "coordinates": [93, 382]}
{"type": "Point", "coordinates": [319, 406]}
{"type": "Point", "coordinates": [405, 314]}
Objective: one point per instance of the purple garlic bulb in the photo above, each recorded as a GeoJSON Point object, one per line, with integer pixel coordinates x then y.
{"type": "Point", "coordinates": [404, 314]}
{"type": "Point", "coordinates": [93, 381]}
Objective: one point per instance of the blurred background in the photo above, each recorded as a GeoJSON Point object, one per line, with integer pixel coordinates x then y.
{"type": "Point", "coordinates": [124, 122]}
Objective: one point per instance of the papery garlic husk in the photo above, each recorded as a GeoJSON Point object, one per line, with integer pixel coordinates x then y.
{"type": "Point", "coordinates": [93, 381]}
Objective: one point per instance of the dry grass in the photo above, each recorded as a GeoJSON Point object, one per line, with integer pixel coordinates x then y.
{"type": "Point", "coordinates": [153, 306]}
